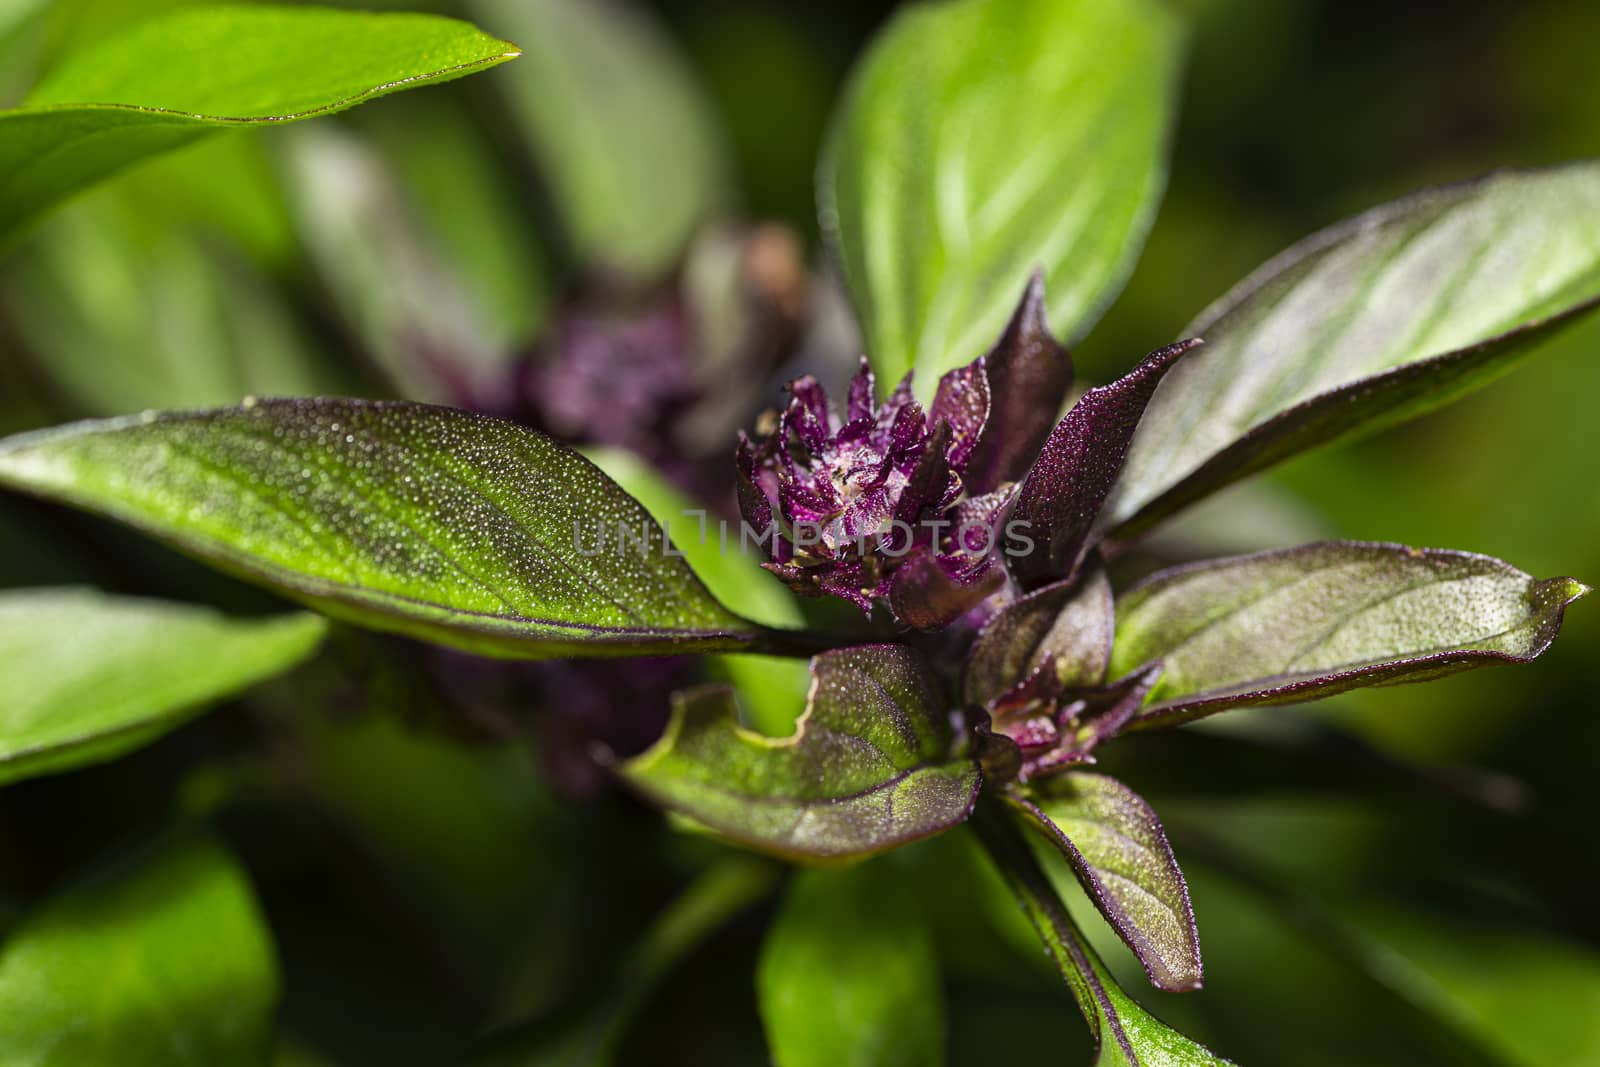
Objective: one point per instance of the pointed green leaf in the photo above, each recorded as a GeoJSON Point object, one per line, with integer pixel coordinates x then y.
{"type": "Point", "coordinates": [1308, 622]}
{"type": "Point", "coordinates": [984, 138]}
{"type": "Point", "coordinates": [89, 676]}
{"type": "Point", "coordinates": [624, 136]}
{"type": "Point", "coordinates": [160, 959]}
{"type": "Point", "coordinates": [1117, 848]}
{"type": "Point", "coordinates": [174, 79]}
{"type": "Point", "coordinates": [848, 975]}
{"type": "Point", "coordinates": [1363, 325]}
{"type": "Point", "coordinates": [1126, 1034]}
{"type": "Point", "coordinates": [447, 526]}
{"type": "Point", "coordinates": [868, 767]}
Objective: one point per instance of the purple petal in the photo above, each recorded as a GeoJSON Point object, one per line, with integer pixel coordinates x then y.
{"type": "Point", "coordinates": [1027, 376]}
{"type": "Point", "coordinates": [1074, 473]}
{"type": "Point", "coordinates": [930, 478]}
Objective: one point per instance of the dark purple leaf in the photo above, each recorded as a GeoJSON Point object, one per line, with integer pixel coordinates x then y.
{"type": "Point", "coordinates": [1074, 473]}
{"type": "Point", "coordinates": [1115, 845]}
{"type": "Point", "coordinates": [1308, 622]}
{"type": "Point", "coordinates": [1027, 375]}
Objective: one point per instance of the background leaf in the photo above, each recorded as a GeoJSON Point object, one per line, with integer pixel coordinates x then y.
{"type": "Point", "coordinates": [1363, 325]}
{"type": "Point", "coordinates": [89, 676]}
{"type": "Point", "coordinates": [868, 767]}
{"type": "Point", "coordinates": [848, 974]}
{"type": "Point", "coordinates": [174, 79]}
{"type": "Point", "coordinates": [623, 134]}
{"type": "Point", "coordinates": [451, 527]}
{"type": "Point", "coordinates": [160, 959]}
{"type": "Point", "coordinates": [1289, 626]}
{"type": "Point", "coordinates": [1116, 847]}
{"type": "Point", "coordinates": [983, 138]}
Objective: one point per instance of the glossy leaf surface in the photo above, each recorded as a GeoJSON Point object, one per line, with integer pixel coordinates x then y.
{"type": "Point", "coordinates": [177, 78]}
{"type": "Point", "coordinates": [451, 527]}
{"type": "Point", "coordinates": [1117, 848]}
{"type": "Point", "coordinates": [1366, 324]}
{"type": "Point", "coordinates": [1290, 626]}
{"type": "Point", "coordinates": [849, 976]}
{"type": "Point", "coordinates": [90, 676]}
{"type": "Point", "coordinates": [868, 767]}
{"type": "Point", "coordinates": [984, 138]}
{"type": "Point", "coordinates": [162, 959]}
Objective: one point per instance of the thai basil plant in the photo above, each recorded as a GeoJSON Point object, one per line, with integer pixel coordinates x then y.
{"type": "Point", "coordinates": [952, 536]}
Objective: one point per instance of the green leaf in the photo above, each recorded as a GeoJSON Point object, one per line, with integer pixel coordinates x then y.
{"type": "Point", "coordinates": [731, 571]}
{"type": "Point", "coordinates": [450, 527]}
{"type": "Point", "coordinates": [174, 79]}
{"type": "Point", "coordinates": [1364, 325]}
{"type": "Point", "coordinates": [160, 959]}
{"type": "Point", "coordinates": [849, 976]}
{"type": "Point", "coordinates": [981, 139]}
{"type": "Point", "coordinates": [1126, 1034]}
{"type": "Point", "coordinates": [1117, 848]}
{"type": "Point", "coordinates": [771, 690]}
{"type": "Point", "coordinates": [868, 767]}
{"type": "Point", "coordinates": [623, 134]}
{"type": "Point", "coordinates": [89, 676]}
{"type": "Point", "coordinates": [1308, 622]}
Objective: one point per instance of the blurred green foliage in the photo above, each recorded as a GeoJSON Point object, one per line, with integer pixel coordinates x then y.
{"type": "Point", "coordinates": [1361, 899]}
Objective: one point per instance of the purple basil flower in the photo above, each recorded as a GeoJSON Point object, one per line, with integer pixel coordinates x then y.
{"type": "Point", "coordinates": [869, 503]}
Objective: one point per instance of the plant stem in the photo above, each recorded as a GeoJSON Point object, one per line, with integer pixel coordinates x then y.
{"type": "Point", "coordinates": [1077, 962]}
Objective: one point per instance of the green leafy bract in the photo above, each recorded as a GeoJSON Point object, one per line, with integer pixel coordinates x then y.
{"type": "Point", "coordinates": [868, 767]}
{"type": "Point", "coordinates": [1364, 325]}
{"type": "Point", "coordinates": [89, 676]}
{"type": "Point", "coordinates": [984, 138]}
{"type": "Point", "coordinates": [452, 527]}
{"type": "Point", "coordinates": [1289, 626]}
{"type": "Point", "coordinates": [189, 74]}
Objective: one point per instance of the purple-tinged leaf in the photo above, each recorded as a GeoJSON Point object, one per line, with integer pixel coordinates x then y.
{"type": "Point", "coordinates": [1124, 1033]}
{"type": "Point", "coordinates": [927, 592]}
{"type": "Point", "coordinates": [868, 767]}
{"type": "Point", "coordinates": [1309, 622]}
{"type": "Point", "coordinates": [1027, 376]}
{"type": "Point", "coordinates": [1115, 845]}
{"type": "Point", "coordinates": [1363, 325]}
{"type": "Point", "coordinates": [450, 527]}
{"type": "Point", "coordinates": [1071, 623]}
{"type": "Point", "coordinates": [1080, 462]}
